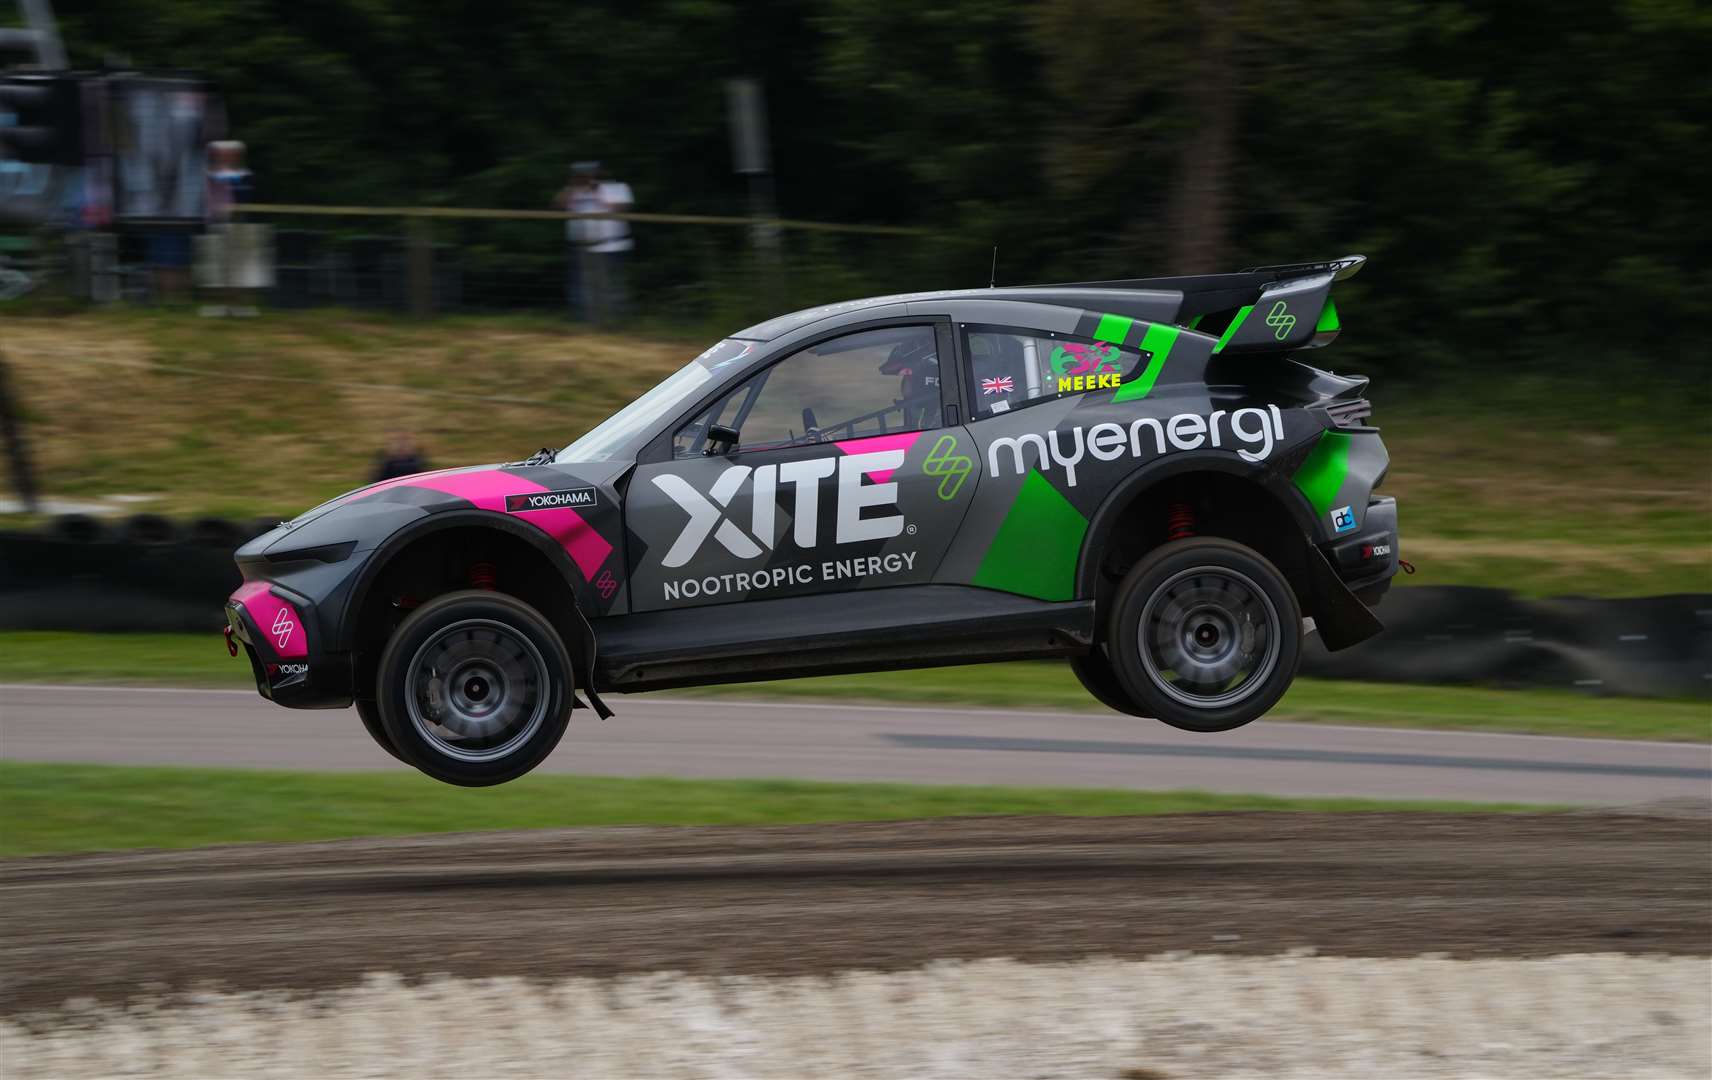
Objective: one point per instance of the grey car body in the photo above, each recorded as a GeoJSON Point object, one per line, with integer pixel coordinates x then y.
{"type": "Point", "coordinates": [998, 460]}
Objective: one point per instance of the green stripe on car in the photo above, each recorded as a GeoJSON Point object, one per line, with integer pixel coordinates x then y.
{"type": "Point", "coordinates": [1034, 552]}
{"type": "Point", "coordinates": [1322, 474]}
{"type": "Point", "coordinates": [1328, 318]}
{"type": "Point", "coordinates": [1158, 340]}
{"type": "Point", "coordinates": [1235, 325]}
{"type": "Point", "coordinates": [1112, 328]}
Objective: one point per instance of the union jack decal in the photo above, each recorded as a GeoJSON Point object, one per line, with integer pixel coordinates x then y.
{"type": "Point", "coordinates": [1004, 384]}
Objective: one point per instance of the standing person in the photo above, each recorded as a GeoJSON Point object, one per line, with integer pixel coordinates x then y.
{"type": "Point", "coordinates": [238, 262]}
{"type": "Point", "coordinates": [595, 249]}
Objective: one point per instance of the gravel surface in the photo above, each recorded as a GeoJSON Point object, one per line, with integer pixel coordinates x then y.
{"type": "Point", "coordinates": [807, 900]}
{"type": "Point", "coordinates": [1171, 1017]}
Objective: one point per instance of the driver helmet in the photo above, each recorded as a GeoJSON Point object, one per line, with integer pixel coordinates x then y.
{"type": "Point", "coordinates": [916, 363]}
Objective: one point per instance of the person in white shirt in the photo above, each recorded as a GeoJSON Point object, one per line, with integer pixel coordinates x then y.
{"type": "Point", "coordinates": [596, 249]}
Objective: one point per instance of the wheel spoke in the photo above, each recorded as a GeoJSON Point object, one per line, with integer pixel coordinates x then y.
{"type": "Point", "coordinates": [1209, 636]}
{"type": "Point", "coordinates": [476, 690]}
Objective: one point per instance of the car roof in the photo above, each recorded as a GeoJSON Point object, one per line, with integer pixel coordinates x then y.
{"type": "Point", "coordinates": [1154, 305]}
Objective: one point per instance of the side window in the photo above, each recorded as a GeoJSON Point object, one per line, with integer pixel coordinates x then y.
{"type": "Point", "coordinates": [1014, 368]}
{"type": "Point", "coordinates": [875, 382]}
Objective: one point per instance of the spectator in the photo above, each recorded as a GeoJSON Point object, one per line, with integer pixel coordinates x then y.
{"type": "Point", "coordinates": [229, 180]}
{"type": "Point", "coordinates": [595, 249]}
{"type": "Point", "coordinates": [236, 261]}
{"type": "Point", "coordinates": [401, 458]}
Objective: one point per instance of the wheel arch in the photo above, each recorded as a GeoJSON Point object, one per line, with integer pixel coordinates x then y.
{"type": "Point", "coordinates": [1231, 500]}
{"type": "Point", "coordinates": [535, 570]}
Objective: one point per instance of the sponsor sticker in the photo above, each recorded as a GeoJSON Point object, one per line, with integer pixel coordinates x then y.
{"type": "Point", "coordinates": [775, 577]}
{"type": "Point", "coordinates": [951, 468]}
{"type": "Point", "coordinates": [550, 500]}
{"type": "Point", "coordinates": [707, 512]}
{"type": "Point", "coordinates": [1252, 433]}
{"type": "Point", "coordinates": [1343, 519]}
{"type": "Point", "coordinates": [282, 627]}
{"type": "Point", "coordinates": [606, 584]}
{"type": "Point", "coordinates": [1375, 551]}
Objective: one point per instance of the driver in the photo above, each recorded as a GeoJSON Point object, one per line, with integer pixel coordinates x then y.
{"type": "Point", "coordinates": [916, 363]}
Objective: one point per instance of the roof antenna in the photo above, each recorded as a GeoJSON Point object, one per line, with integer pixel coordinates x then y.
{"type": "Point", "coordinates": [993, 276]}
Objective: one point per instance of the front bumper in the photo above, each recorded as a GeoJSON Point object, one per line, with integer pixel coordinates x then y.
{"type": "Point", "coordinates": [1368, 559]}
{"type": "Point", "coordinates": [272, 625]}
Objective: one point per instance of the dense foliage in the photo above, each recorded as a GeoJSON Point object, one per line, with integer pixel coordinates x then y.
{"type": "Point", "coordinates": [1525, 176]}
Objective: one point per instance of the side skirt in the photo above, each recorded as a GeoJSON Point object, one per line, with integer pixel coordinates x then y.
{"type": "Point", "coordinates": [876, 630]}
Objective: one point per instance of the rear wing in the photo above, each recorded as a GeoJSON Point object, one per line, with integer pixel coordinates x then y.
{"type": "Point", "coordinates": [1261, 309]}
{"type": "Point", "coordinates": [1294, 310]}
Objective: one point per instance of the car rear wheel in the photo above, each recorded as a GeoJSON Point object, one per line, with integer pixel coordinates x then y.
{"type": "Point", "coordinates": [475, 688]}
{"type": "Point", "coordinates": [1094, 671]}
{"type": "Point", "coordinates": [1206, 634]}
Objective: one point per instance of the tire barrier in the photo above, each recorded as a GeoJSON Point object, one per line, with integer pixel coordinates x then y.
{"type": "Point", "coordinates": [1654, 646]}
{"type": "Point", "coordinates": [143, 575]}
{"type": "Point", "coordinates": [77, 529]}
{"type": "Point", "coordinates": [148, 574]}
{"type": "Point", "coordinates": [219, 533]}
{"type": "Point", "coordinates": [148, 529]}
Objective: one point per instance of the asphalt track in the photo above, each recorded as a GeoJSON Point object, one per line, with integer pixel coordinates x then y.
{"type": "Point", "coordinates": [663, 736]}
{"type": "Point", "coordinates": [812, 899]}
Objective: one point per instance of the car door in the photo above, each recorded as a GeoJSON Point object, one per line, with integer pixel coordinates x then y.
{"type": "Point", "coordinates": [845, 475]}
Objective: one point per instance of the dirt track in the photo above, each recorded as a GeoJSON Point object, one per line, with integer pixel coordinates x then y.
{"type": "Point", "coordinates": [811, 899]}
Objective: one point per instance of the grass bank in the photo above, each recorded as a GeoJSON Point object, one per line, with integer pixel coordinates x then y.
{"type": "Point", "coordinates": [201, 660]}
{"type": "Point", "coordinates": [1537, 484]}
{"type": "Point", "coordinates": [48, 808]}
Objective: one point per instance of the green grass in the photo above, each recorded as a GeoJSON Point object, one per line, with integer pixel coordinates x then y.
{"type": "Point", "coordinates": [1311, 701]}
{"type": "Point", "coordinates": [138, 659]}
{"type": "Point", "coordinates": [47, 808]}
{"type": "Point", "coordinates": [201, 660]}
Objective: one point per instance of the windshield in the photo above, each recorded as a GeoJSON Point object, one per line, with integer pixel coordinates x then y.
{"type": "Point", "coordinates": [612, 435]}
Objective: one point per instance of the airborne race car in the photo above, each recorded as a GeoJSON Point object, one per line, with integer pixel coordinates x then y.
{"type": "Point", "coordinates": [1140, 476]}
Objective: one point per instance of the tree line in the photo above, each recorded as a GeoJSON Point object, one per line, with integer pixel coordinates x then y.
{"type": "Point", "coordinates": [1527, 177]}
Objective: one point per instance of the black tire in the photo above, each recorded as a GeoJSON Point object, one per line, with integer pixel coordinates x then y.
{"type": "Point", "coordinates": [1223, 640]}
{"type": "Point", "coordinates": [368, 710]}
{"type": "Point", "coordinates": [475, 688]}
{"type": "Point", "coordinates": [1094, 671]}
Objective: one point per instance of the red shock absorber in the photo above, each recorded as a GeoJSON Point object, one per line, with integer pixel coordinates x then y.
{"type": "Point", "coordinates": [482, 576]}
{"type": "Point", "coordinates": [1180, 521]}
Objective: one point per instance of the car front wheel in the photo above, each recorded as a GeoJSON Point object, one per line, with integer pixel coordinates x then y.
{"type": "Point", "coordinates": [1206, 634]}
{"type": "Point", "coordinates": [368, 711]}
{"type": "Point", "coordinates": [475, 688]}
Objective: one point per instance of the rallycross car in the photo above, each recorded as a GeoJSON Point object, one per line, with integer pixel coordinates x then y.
{"type": "Point", "coordinates": [1142, 476]}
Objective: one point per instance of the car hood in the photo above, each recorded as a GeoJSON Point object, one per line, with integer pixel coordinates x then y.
{"type": "Point", "coordinates": [369, 514]}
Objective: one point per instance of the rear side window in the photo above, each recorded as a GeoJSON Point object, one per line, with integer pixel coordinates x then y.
{"type": "Point", "coordinates": [1010, 369]}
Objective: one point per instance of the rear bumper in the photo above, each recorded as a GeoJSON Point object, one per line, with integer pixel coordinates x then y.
{"type": "Point", "coordinates": [272, 626]}
{"type": "Point", "coordinates": [1368, 560]}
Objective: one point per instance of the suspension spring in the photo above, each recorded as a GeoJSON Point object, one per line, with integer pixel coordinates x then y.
{"type": "Point", "coordinates": [1180, 521]}
{"type": "Point", "coordinates": [483, 575]}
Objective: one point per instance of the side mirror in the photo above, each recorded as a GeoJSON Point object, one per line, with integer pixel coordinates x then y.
{"type": "Point", "coordinates": [720, 440]}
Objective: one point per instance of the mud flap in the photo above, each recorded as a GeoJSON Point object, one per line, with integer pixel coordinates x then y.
{"type": "Point", "coordinates": [586, 645]}
{"type": "Point", "coordinates": [1340, 616]}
